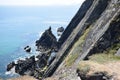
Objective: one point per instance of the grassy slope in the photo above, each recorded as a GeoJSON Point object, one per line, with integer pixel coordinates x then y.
{"type": "Point", "coordinates": [105, 62]}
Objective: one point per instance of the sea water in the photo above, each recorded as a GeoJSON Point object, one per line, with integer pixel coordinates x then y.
{"type": "Point", "coordinates": [22, 25]}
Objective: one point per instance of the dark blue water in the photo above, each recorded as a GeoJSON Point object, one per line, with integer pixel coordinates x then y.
{"type": "Point", "coordinates": [21, 26]}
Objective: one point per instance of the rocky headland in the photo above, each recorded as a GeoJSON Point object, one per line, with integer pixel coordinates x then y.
{"type": "Point", "coordinates": [36, 65]}
{"type": "Point", "coordinates": [88, 49]}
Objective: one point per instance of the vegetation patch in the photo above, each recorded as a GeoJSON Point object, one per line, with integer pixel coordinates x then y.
{"type": "Point", "coordinates": [76, 49]}
{"type": "Point", "coordinates": [71, 59]}
{"type": "Point", "coordinates": [90, 67]}
{"type": "Point", "coordinates": [106, 56]}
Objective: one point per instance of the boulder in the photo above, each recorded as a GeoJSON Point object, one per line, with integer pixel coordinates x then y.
{"type": "Point", "coordinates": [47, 42]}
{"type": "Point", "coordinates": [10, 66]}
{"type": "Point", "coordinates": [27, 49]}
{"type": "Point", "coordinates": [95, 76]}
{"type": "Point", "coordinates": [60, 30]}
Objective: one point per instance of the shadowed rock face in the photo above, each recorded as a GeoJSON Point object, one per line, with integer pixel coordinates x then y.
{"type": "Point", "coordinates": [47, 42]}
{"type": "Point", "coordinates": [30, 66]}
{"type": "Point", "coordinates": [24, 65]}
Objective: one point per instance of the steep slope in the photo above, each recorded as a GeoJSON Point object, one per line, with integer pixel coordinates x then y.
{"type": "Point", "coordinates": [75, 21]}
{"type": "Point", "coordinates": [94, 32]}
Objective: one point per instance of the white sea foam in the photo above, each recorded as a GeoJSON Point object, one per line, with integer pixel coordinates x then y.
{"type": "Point", "coordinates": [15, 61]}
{"type": "Point", "coordinates": [11, 72]}
{"type": "Point", "coordinates": [36, 59]}
{"type": "Point", "coordinates": [40, 34]}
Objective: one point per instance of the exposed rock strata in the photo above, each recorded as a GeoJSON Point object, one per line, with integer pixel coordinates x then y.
{"type": "Point", "coordinates": [102, 20]}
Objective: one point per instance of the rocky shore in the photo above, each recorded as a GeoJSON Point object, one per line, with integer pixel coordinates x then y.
{"type": "Point", "coordinates": [36, 65]}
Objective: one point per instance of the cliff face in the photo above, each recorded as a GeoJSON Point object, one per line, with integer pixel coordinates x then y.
{"type": "Point", "coordinates": [75, 21]}
{"type": "Point", "coordinates": [94, 29]}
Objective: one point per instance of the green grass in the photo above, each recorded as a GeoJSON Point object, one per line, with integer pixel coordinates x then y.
{"type": "Point", "coordinates": [71, 59]}
{"type": "Point", "coordinates": [84, 68]}
{"type": "Point", "coordinates": [103, 58]}
{"type": "Point", "coordinates": [106, 56]}
{"type": "Point", "coordinates": [76, 49]}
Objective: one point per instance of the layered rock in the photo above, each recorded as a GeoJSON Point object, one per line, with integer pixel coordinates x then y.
{"type": "Point", "coordinates": [95, 32]}
{"type": "Point", "coordinates": [75, 21]}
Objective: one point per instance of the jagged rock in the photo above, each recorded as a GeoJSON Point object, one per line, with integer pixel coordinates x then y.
{"type": "Point", "coordinates": [31, 67]}
{"type": "Point", "coordinates": [42, 60]}
{"type": "Point", "coordinates": [60, 30]}
{"type": "Point", "coordinates": [10, 66]}
{"type": "Point", "coordinates": [23, 66]}
{"type": "Point", "coordinates": [47, 42]}
{"type": "Point", "coordinates": [27, 49]}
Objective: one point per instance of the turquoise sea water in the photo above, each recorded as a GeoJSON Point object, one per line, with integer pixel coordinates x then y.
{"type": "Point", "coordinates": [21, 26]}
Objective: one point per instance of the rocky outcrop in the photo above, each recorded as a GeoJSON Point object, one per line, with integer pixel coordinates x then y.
{"type": "Point", "coordinates": [36, 65]}
{"type": "Point", "coordinates": [47, 42]}
{"type": "Point", "coordinates": [10, 66]}
{"type": "Point", "coordinates": [60, 30]}
{"type": "Point", "coordinates": [109, 38]}
{"type": "Point", "coordinates": [23, 66]}
{"type": "Point", "coordinates": [27, 49]}
{"type": "Point", "coordinates": [75, 21]}
{"type": "Point", "coordinates": [30, 66]}
{"type": "Point", "coordinates": [98, 27]}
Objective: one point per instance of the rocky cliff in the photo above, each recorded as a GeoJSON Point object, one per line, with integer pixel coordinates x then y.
{"type": "Point", "coordinates": [93, 30]}
{"type": "Point", "coordinates": [87, 49]}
